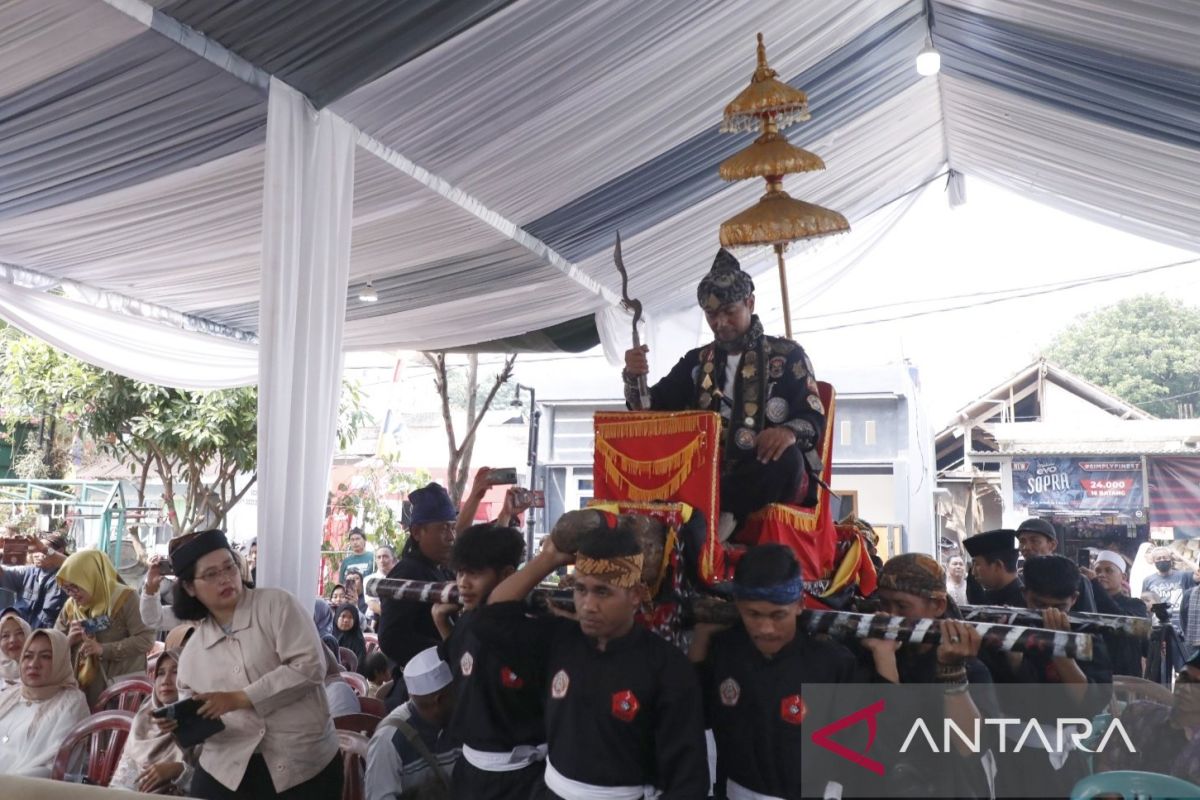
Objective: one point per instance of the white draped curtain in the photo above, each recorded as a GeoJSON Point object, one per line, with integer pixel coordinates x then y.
{"type": "Point", "coordinates": [138, 348]}
{"type": "Point", "coordinates": [307, 209]}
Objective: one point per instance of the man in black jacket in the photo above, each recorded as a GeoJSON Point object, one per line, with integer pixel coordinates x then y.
{"type": "Point", "coordinates": [752, 677]}
{"type": "Point", "coordinates": [623, 707]}
{"type": "Point", "coordinates": [762, 386]}
{"type": "Point", "coordinates": [406, 627]}
{"type": "Point", "coordinates": [1039, 538]}
{"type": "Point", "coordinates": [994, 562]}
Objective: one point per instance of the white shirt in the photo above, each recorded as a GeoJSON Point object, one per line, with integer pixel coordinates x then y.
{"type": "Point", "coordinates": [32, 732]}
{"type": "Point", "coordinates": [958, 591]}
{"type": "Point", "coordinates": [155, 615]}
{"type": "Point", "coordinates": [342, 699]}
{"type": "Point", "coordinates": [731, 370]}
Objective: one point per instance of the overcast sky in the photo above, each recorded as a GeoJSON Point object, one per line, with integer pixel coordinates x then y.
{"type": "Point", "coordinates": [998, 240]}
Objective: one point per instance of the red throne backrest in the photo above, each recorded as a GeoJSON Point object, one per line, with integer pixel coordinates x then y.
{"type": "Point", "coordinates": [644, 456]}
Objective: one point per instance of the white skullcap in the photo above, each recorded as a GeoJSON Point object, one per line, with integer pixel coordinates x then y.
{"type": "Point", "coordinates": [426, 673]}
{"type": "Point", "coordinates": [1113, 558]}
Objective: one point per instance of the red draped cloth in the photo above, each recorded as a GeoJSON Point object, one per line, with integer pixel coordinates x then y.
{"type": "Point", "coordinates": [675, 456]}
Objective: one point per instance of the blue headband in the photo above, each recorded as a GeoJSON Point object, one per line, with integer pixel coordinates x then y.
{"type": "Point", "coordinates": [781, 594]}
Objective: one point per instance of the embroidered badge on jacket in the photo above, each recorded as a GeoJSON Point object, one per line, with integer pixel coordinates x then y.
{"type": "Point", "coordinates": [777, 409]}
{"type": "Point", "coordinates": [744, 438]}
{"type": "Point", "coordinates": [560, 684]}
{"type": "Point", "coordinates": [466, 664]}
{"type": "Point", "coordinates": [792, 709]}
{"type": "Point", "coordinates": [510, 679]}
{"type": "Point", "coordinates": [625, 705]}
{"type": "Point", "coordinates": [730, 692]}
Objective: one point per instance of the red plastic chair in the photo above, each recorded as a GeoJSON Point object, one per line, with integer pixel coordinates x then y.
{"type": "Point", "coordinates": [348, 660]}
{"type": "Point", "coordinates": [354, 763]}
{"type": "Point", "coordinates": [127, 694]}
{"type": "Point", "coordinates": [371, 705]}
{"type": "Point", "coordinates": [360, 723]}
{"type": "Point", "coordinates": [372, 641]}
{"type": "Point", "coordinates": [100, 738]}
{"type": "Point", "coordinates": [357, 682]}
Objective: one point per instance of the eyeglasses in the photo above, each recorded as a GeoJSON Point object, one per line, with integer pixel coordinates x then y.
{"type": "Point", "coordinates": [218, 574]}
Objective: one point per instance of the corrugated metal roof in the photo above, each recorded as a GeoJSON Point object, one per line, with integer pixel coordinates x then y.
{"type": "Point", "coordinates": [1091, 449]}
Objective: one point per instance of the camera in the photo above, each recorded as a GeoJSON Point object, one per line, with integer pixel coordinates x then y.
{"type": "Point", "coordinates": [502, 476]}
{"type": "Point", "coordinates": [529, 498]}
{"type": "Point", "coordinates": [95, 625]}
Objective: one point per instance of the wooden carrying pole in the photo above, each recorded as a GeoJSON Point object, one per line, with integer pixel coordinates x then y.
{"type": "Point", "coordinates": [783, 291]}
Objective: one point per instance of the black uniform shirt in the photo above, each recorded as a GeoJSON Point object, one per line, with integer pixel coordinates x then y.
{"type": "Point", "coordinates": [774, 386]}
{"type": "Point", "coordinates": [1126, 652]}
{"type": "Point", "coordinates": [406, 626]}
{"type": "Point", "coordinates": [498, 704]}
{"type": "Point", "coordinates": [630, 715]}
{"type": "Point", "coordinates": [749, 700]}
{"type": "Point", "coordinates": [1011, 595]}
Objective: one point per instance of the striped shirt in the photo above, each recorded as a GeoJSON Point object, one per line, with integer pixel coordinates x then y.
{"type": "Point", "coordinates": [393, 763]}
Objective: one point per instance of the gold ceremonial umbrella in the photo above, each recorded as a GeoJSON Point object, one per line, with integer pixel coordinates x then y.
{"type": "Point", "coordinates": [777, 218]}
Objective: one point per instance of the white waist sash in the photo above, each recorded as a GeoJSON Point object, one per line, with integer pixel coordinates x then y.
{"type": "Point", "coordinates": [568, 789]}
{"type": "Point", "coordinates": [735, 791]}
{"type": "Point", "coordinates": [519, 758]}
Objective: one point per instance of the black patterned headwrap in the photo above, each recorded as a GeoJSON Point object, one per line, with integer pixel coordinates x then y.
{"type": "Point", "coordinates": [725, 283]}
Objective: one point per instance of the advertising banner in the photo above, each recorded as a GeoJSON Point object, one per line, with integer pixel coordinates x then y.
{"type": "Point", "coordinates": [1175, 493]}
{"type": "Point", "coordinates": [1057, 483]}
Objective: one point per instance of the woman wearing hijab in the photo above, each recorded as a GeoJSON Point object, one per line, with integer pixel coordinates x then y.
{"type": "Point", "coordinates": [349, 633]}
{"type": "Point", "coordinates": [178, 636]}
{"type": "Point", "coordinates": [13, 632]}
{"type": "Point", "coordinates": [323, 617]}
{"type": "Point", "coordinates": [342, 699]}
{"type": "Point", "coordinates": [256, 664]}
{"type": "Point", "coordinates": [102, 620]}
{"type": "Point", "coordinates": [36, 717]}
{"type": "Point", "coordinates": [152, 761]}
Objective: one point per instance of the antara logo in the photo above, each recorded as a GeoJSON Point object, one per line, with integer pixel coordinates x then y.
{"type": "Point", "coordinates": [1077, 731]}
{"type": "Point", "coordinates": [869, 714]}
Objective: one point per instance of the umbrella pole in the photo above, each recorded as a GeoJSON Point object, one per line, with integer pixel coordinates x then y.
{"type": "Point", "coordinates": [783, 291]}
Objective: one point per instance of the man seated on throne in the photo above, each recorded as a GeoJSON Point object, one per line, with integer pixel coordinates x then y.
{"type": "Point", "coordinates": [762, 386]}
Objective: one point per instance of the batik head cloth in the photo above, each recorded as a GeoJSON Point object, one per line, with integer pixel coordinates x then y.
{"type": "Point", "coordinates": [623, 572]}
{"type": "Point", "coordinates": [725, 283]}
{"type": "Point", "coordinates": [915, 574]}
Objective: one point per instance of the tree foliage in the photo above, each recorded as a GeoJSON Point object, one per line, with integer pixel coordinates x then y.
{"type": "Point", "coordinates": [202, 446]}
{"type": "Point", "coordinates": [463, 385]}
{"type": "Point", "coordinates": [1145, 350]}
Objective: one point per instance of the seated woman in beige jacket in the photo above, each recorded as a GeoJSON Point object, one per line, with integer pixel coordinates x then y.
{"type": "Point", "coordinates": [102, 621]}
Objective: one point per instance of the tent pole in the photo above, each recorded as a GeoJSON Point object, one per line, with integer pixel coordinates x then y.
{"type": "Point", "coordinates": [783, 291]}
